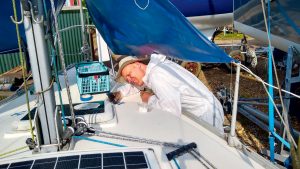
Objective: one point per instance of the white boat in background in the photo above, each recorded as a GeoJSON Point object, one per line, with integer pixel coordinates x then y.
{"type": "Point", "coordinates": [206, 15]}
{"type": "Point", "coordinates": [248, 18]}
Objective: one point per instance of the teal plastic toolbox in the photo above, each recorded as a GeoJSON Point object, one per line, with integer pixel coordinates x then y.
{"type": "Point", "coordinates": [92, 78]}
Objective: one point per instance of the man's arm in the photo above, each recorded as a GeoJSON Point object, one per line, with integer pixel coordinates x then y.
{"type": "Point", "coordinates": [166, 97]}
{"type": "Point", "coordinates": [123, 91]}
{"type": "Point", "coordinates": [127, 90]}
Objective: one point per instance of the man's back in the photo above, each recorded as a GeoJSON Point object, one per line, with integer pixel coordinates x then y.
{"type": "Point", "coordinates": [177, 90]}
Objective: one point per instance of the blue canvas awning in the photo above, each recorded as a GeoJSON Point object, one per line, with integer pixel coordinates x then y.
{"type": "Point", "coordinates": [139, 27]}
{"type": "Point", "coordinates": [8, 36]}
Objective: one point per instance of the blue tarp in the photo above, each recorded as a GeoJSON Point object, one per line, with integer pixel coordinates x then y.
{"type": "Point", "coordinates": [8, 36]}
{"type": "Point", "coordinates": [139, 27]}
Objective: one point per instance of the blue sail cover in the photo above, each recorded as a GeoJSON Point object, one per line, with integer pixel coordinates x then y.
{"type": "Point", "coordinates": [8, 35]}
{"type": "Point", "coordinates": [140, 27]}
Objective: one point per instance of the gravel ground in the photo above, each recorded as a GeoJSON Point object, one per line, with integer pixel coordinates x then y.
{"type": "Point", "coordinates": [249, 133]}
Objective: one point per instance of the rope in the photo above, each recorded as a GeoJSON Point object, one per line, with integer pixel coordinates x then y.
{"type": "Point", "coordinates": [12, 151]}
{"type": "Point", "coordinates": [50, 86]}
{"type": "Point", "coordinates": [59, 88]}
{"type": "Point", "coordinates": [98, 141]}
{"type": "Point", "coordinates": [24, 69]}
{"type": "Point", "coordinates": [272, 100]}
{"type": "Point", "coordinates": [195, 154]}
{"type": "Point", "coordinates": [124, 137]}
{"type": "Point", "coordinates": [74, 26]}
{"type": "Point", "coordinates": [176, 163]}
{"type": "Point", "coordinates": [260, 80]}
{"type": "Point", "coordinates": [16, 94]}
{"type": "Point", "coordinates": [63, 62]}
{"type": "Point", "coordinates": [274, 67]}
{"type": "Point", "coordinates": [281, 118]}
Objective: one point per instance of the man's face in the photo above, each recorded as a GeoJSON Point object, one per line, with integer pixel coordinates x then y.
{"type": "Point", "coordinates": [133, 74]}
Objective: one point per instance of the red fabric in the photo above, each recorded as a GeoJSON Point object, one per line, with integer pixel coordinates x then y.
{"type": "Point", "coordinates": [72, 3]}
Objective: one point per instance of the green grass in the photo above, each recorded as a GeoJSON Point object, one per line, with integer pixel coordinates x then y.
{"type": "Point", "coordinates": [2, 97]}
{"type": "Point", "coordinates": [229, 36]}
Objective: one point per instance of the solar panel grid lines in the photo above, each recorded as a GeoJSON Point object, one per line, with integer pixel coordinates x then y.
{"type": "Point", "coordinates": [67, 162]}
{"type": "Point", "coordinates": [91, 161]}
{"type": "Point", "coordinates": [135, 160]}
{"type": "Point", "coordinates": [114, 160]}
{"type": "Point", "coordinates": [21, 165]}
{"type": "Point", "coordinates": [4, 166]}
{"type": "Point", "coordinates": [48, 163]}
{"type": "Point", "coordinates": [125, 162]}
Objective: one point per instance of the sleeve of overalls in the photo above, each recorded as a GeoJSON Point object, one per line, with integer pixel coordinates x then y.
{"type": "Point", "coordinates": [166, 97]}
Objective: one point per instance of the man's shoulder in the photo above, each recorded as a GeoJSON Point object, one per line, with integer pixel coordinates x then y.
{"type": "Point", "coordinates": [157, 57]}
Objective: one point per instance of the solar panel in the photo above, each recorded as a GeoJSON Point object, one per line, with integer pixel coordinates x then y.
{"type": "Point", "coordinates": [135, 160]}
{"type": "Point", "coordinates": [113, 160]}
{"type": "Point", "coordinates": [116, 160]}
{"type": "Point", "coordinates": [68, 162]}
{"type": "Point", "coordinates": [4, 166]}
{"type": "Point", "coordinates": [91, 161]}
{"type": "Point", "coordinates": [21, 165]}
{"type": "Point", "coordinates": [47, 163]}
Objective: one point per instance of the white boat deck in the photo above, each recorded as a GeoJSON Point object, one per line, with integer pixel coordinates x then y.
{"type": "Point", "coordinates": [155, 124]}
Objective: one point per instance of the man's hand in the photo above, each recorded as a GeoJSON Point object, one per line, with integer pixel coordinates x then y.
{"type": "Point", "coordinates": [114, 97]}
{"type": "Point", "coordinates": [145, 96]}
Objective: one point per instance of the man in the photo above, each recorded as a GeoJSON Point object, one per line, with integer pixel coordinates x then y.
{"type": "Point", "coordinates": [175, 89]}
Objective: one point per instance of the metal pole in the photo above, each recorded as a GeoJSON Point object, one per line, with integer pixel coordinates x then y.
{"type": "Point", "coordinates": [82, 24]}
{"type": "Point", "coordinates": [45, 71]}
{"type": "Point", "coordinates": [111, 63]}
{"type": "Point", "coordinates": [40, 65]}
{"type": "Point", "coordinates": [235, 101]}
{"type": "Point", "coordinates": [255, 103]}
{"type": "Point", "coordinates": [270, 89]}
{"type": "Point", "coordinates": [288, 81]}
{"type": "Point", "coordinates": [252, 118]}
{"type": "Point", "coordinates": [262, 116]}
{"type": "Point", "coordinates": [63, 65]}
{"type": "Point", "coordinates": [232, 139]}
{"type": "Point", "coordinates": [85, 47]}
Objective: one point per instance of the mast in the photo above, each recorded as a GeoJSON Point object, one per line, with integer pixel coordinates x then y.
{"type": "Point", "coordinates": [40, 64]}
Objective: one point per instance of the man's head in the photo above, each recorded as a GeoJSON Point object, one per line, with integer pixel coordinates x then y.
{"type": "Point", "coordinates": [131, 70]}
